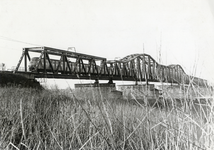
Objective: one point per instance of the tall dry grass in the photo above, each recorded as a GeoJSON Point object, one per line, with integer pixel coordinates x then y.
{"type": "Point", "coordinates": [31, 119]}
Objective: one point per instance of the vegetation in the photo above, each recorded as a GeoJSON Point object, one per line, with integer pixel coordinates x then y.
{"type": "Point", "coordinates": [51, 119]}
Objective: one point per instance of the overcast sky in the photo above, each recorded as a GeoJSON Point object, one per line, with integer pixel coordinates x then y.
{"type": "Point", "coordinates": [183, 30]}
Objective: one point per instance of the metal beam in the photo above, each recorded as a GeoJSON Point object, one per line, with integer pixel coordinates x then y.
{"type": "Point", "coordinates": [25, 60]}
{"type": "Point", "coordinates": [48, 58]}
{"type": "Point", "coordinates": [20, 61]}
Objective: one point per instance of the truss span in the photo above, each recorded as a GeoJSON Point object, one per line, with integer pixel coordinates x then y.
{"type": "Point", "coordinates": [56, 63]}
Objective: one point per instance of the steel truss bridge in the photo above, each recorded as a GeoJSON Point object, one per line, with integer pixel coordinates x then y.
{"type": "Point", "coordinates": [56, 63]}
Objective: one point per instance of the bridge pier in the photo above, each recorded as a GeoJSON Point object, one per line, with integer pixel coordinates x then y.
{"type": "Point", "coordinates": [96, 81]}
{"type": "Point", "coordinates": [97, 91]}
{"type": "Point", "coordinates": [139, 91]}
{"type": "Point", "coordinates": [110, 81]}
{"type": "Point", "coordinates": [183, 91]}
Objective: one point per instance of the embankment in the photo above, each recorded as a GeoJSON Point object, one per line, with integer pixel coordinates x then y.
{"type": "Point", "coordinates": [10, 79]}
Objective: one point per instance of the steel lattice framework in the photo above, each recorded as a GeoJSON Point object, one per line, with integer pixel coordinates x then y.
{"type": "Point", "coordinates": [72, 65]}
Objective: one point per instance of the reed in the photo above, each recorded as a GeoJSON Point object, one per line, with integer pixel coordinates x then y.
{"type": "Point", "coordinates": [52, 119]}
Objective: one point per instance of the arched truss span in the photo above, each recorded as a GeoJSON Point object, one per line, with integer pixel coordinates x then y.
{"type": "Point", "coordinates": [142, 67]}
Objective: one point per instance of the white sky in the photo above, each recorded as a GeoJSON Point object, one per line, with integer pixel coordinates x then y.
{"type": "Point", "coordinates": [182, 29]}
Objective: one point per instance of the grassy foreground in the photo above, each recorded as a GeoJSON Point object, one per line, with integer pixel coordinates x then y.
{"type": "Point", "coordinates": [37, 120]}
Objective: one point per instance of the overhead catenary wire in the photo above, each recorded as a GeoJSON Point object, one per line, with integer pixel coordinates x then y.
{"type": "Point", "coordinates": [24, 42]}
{"type": "Point", "coordinates": [14, 40]}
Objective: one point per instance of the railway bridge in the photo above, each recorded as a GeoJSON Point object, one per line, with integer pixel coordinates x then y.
{"type": "Point", "coordinates": [47, 62]}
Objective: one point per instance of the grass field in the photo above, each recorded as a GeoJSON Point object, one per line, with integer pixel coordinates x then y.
{"type": "Point", "coordinates": [52, 119]}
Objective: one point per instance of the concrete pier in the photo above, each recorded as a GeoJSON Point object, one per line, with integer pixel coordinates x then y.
{"type": "Point", "coordinates": [139, 91]}
{"type": "Point", "coordinates": [183, 91]}
{"type": "Point", "coordinates": [97, 91]}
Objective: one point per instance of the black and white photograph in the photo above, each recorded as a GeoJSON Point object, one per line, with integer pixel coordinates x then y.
{"type": "Point", "coordinates": [106, 74]}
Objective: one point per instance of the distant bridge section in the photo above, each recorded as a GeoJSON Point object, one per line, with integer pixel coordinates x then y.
{"type": "Point", "coordinates": [56, 63]}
